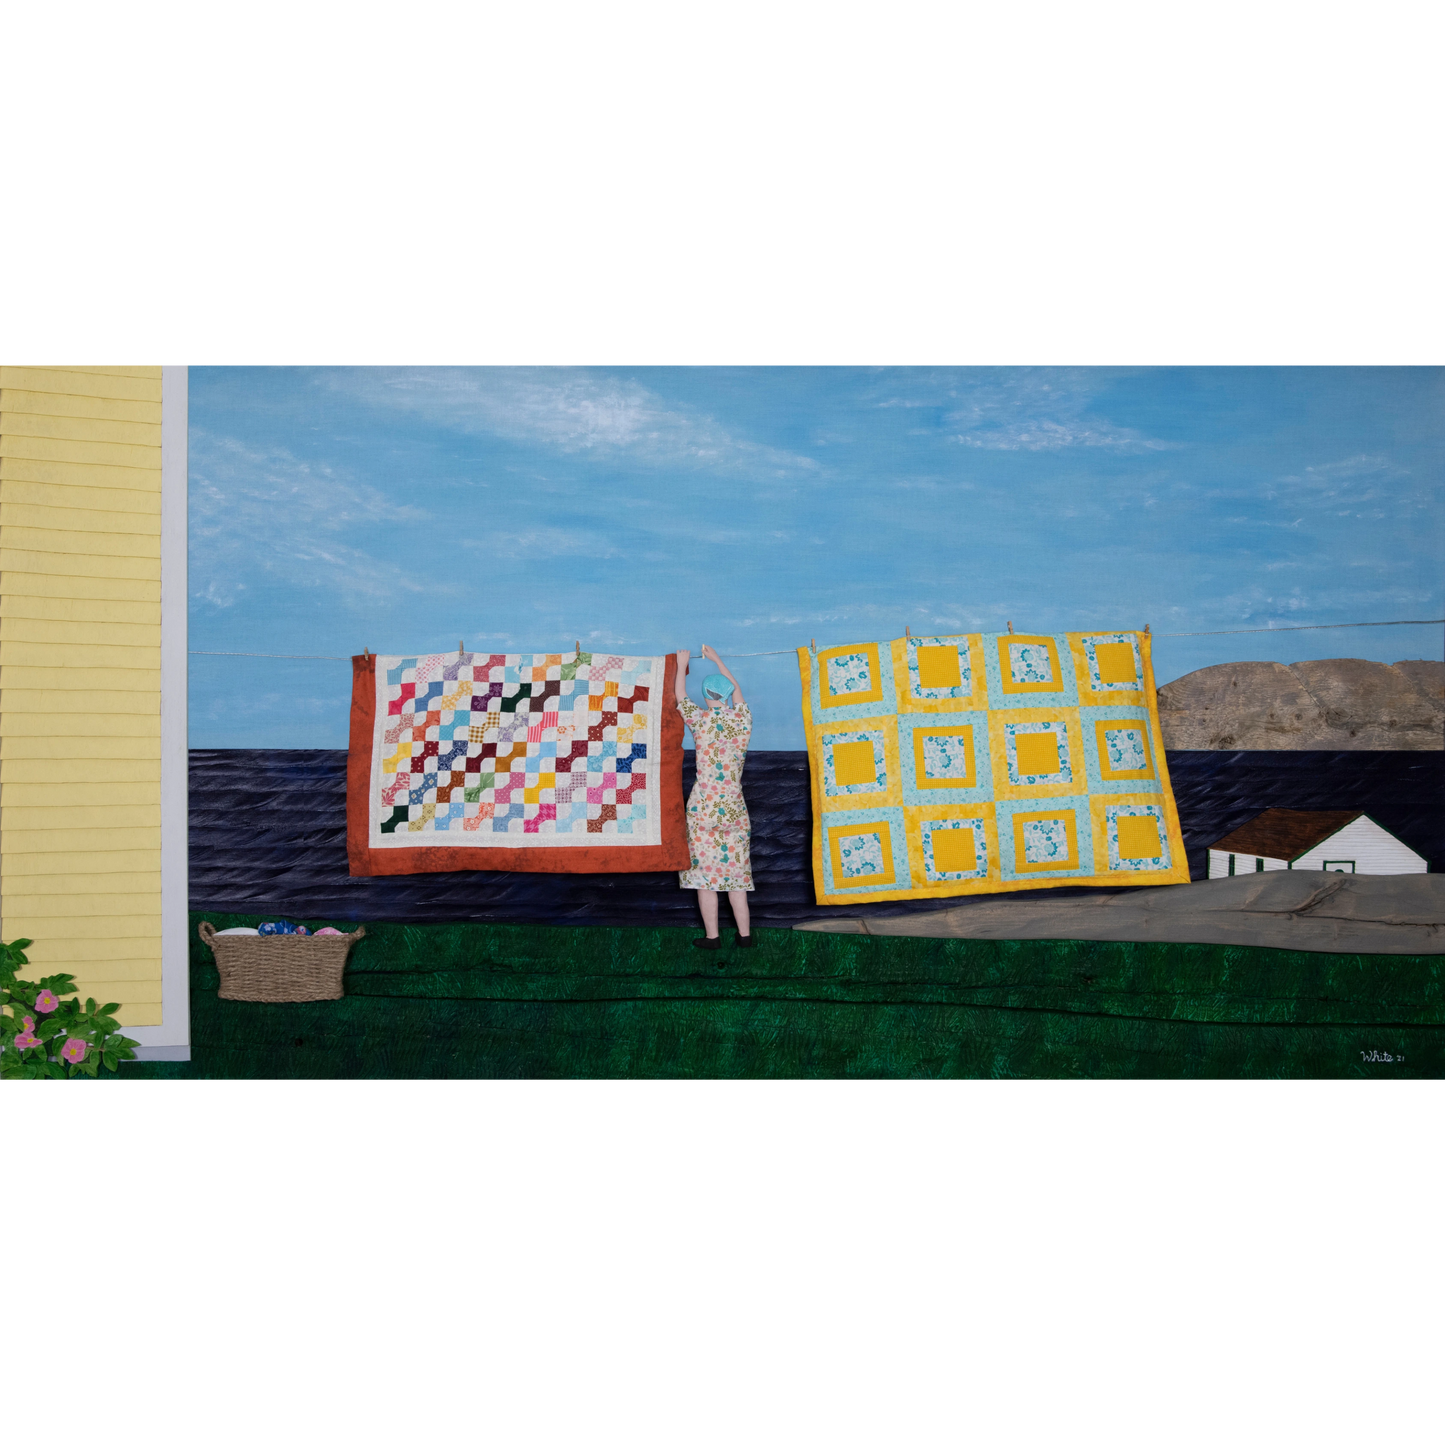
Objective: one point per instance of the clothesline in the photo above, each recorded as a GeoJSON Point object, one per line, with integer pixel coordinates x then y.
{"type": "Point", "coordinates": [789, 651]}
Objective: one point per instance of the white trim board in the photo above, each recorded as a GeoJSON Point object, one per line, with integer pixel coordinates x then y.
{"type": "Point", "coordinates": [166, 1039]}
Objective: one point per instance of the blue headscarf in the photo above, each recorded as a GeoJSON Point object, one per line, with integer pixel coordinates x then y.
{"type": "Point", "coordinates": [716, 685]}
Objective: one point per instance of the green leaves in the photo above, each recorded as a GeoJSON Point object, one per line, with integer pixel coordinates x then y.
{"type": "Point", "coordinates": [61, 1021]}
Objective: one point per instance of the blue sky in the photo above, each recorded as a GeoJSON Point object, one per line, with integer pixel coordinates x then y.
{"type": "Point", "coordinates": [646, 509]}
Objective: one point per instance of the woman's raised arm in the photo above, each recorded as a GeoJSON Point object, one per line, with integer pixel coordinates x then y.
{"type": "Point", "coordinates": [711, 654]}
{"type": "Point", "coordinates": [679, 683]}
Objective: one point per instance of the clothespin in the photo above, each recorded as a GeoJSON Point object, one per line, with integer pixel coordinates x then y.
{"type": "Point", "coordinates": [1146, 628]}
{"type": "Point", "coordinates": [906, 631]}
{"type": "Point", "coordinates": [1010, 627]}
{"type": "Point", "coordinates": [815, 647]}
{"type": "Point", "coordinates": [577, 646]}
{"type": "Point", "coordinates": [461, 646]}
{"type": "Point", "coordinates": [366, 652]}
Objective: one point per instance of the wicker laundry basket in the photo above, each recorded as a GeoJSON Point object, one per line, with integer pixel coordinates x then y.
{"type": "Point", "coordinates": [279, 968]}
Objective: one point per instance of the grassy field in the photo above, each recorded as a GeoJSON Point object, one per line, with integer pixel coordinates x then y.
{"type": "Point", "coordinates": [507, 1001]}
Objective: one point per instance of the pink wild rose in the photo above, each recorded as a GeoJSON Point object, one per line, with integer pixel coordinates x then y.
{"type": "Point", "coordinates": [73, 1051]}
{"type": "Point", "coordinates": [46, 1002]}
{"type": "Point", "coordinates": [26, 1039]}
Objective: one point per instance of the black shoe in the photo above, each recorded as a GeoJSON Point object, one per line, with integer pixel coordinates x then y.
{"type": "Point", "coordinates": [707, 943]}
{"type": "Point", "coordinates": [745, 940]}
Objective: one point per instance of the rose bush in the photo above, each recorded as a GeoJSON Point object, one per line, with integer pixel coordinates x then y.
{"type": "Point", "coordinates": [68, 1040]}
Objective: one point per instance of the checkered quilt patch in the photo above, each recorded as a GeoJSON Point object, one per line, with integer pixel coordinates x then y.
{"type": "Point", "coordinates": [516, 750]}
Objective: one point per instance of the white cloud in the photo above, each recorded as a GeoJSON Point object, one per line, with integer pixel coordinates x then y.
{"type": "Point", "coordinates": [541, 543]}
{"type": "Point", "coordinates": [1025, 409]}
{"type": "Point", "coordinates": [270, 512]}
{"type": "Point", "coordinates": [569, 411]}
{"type": "Point", "coordinates": [1040, 434]}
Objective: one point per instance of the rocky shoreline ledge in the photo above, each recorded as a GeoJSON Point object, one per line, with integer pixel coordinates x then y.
{"type": "Point", "coordinates": [1311, 912]}
{"type": "Point", "coordinates": [1340, 703]}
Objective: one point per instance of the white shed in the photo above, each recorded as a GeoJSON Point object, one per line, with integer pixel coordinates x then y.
{"type": "Point", "coordinates": [1333, 842]}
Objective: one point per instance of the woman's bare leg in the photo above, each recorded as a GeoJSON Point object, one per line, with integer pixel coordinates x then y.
{"type": "Point", "coordinates": [707, 906]}
{"type": "Point", "coordinates": [738, 897]}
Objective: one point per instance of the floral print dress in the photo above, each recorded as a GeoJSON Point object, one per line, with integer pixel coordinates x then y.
{"type": "Point", "coordinates": [718, 832]}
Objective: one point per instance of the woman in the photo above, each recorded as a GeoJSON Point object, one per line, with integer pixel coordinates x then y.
{"type": "Point", "coordinates": [718, 833]}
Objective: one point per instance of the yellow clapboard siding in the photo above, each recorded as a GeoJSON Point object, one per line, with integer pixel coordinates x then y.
{"type": "Point", "coordinates": [117, 681]}
{"type": "Point", "coordinates": [80, 768]}
{"type": "Point", "coordinates": [22, 537]}
{"type": "Point", "coordinates": [136, 975]}
{"type": "Point", "coordinates": [47, 517]}
{"type": "Point", "coordinates": [53, 632]}
{"type": "Point", "coordinates": [57, 655]}
{"type": "Point", "coordinates": [35, 885]}
{"type": "Point", "coordinates": [78, 957]}
{"type": "Point", "coordinates": [28, 907]}
{"type": "Point", "coordinates": [30, 841]}
{"type": "Point", "coordinates": [107, 982]}
{"type": "Point", "coordinates": [71, 381]}
{"type": "Point", "coordinates": [82, 428]}
{"type": "Point", "coordinates": [22, 728]}
{"type": "Point", "coordinates": [94, 816]}
{"type": "Point", "coordinates": [81, 589]}
{"type": "Point", "coordinates": [52, 449]}
{"type": "Point", "coordinates": [62, 792]}
{"type": "Point", "coordinates": [35, 771]}
{"type": "Point", "coordinates": [91, 408]}
{"type": "Point", "coordinates": [78, 609]}
{"type": "Point", "coordinates": [148, 369]}
{"type": "Point", "coordinates": [80, 864]}
{"type": "Point", "coordinates": [64, 952]}
{"type": "Point", "coordinates": [78, 474]}
{"type": "Point", "coordinates": [130, 714]}
{"type": "Point", "coordinates": [133, 1015]}
{"type": "Point", "coordinates": [103, 745]}
{"type": "Point", "coordinates": [67, 564]}
{"type": "Point", "coordinates": [97, 499]}
{"type": "Point", "coordinates": [42, 926]}
{"type": "Point", "coordinates": [62, 632]}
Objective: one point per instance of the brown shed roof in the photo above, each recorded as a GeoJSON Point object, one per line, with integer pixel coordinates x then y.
{"type": "Point", "coordinates": [1284, 833]}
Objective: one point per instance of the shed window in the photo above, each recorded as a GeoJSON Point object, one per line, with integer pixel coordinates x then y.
{"type": "Point", "coordinates": [1339, 865]}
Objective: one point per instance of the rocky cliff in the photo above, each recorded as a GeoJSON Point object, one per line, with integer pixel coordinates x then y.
{"type": "Point", "coordinates": [1342, 703]}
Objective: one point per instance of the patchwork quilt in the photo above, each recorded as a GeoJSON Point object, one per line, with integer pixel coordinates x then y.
{"type": "Point", "coordinates": [518, 762]}
{"type": "Point", "coordinates": [987, 763]}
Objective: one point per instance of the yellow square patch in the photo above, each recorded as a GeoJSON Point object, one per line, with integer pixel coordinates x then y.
{"type": "Point", "coordinates": [1139, 837]}
{"type": "Point", "coordinates": [953, 850]}
{"type": "Point", "coordinates": [853, 763]}
{"type": "Point", "coordinates": [1037, 753]}
{"type": "Point", "coordinates": [938, 667]}
{"type": "Point", "coordinates": [1116, 662]}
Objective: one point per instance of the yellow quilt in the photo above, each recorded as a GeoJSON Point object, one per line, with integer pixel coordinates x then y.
{"type": "Point", "coordinates": [987, 763]}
